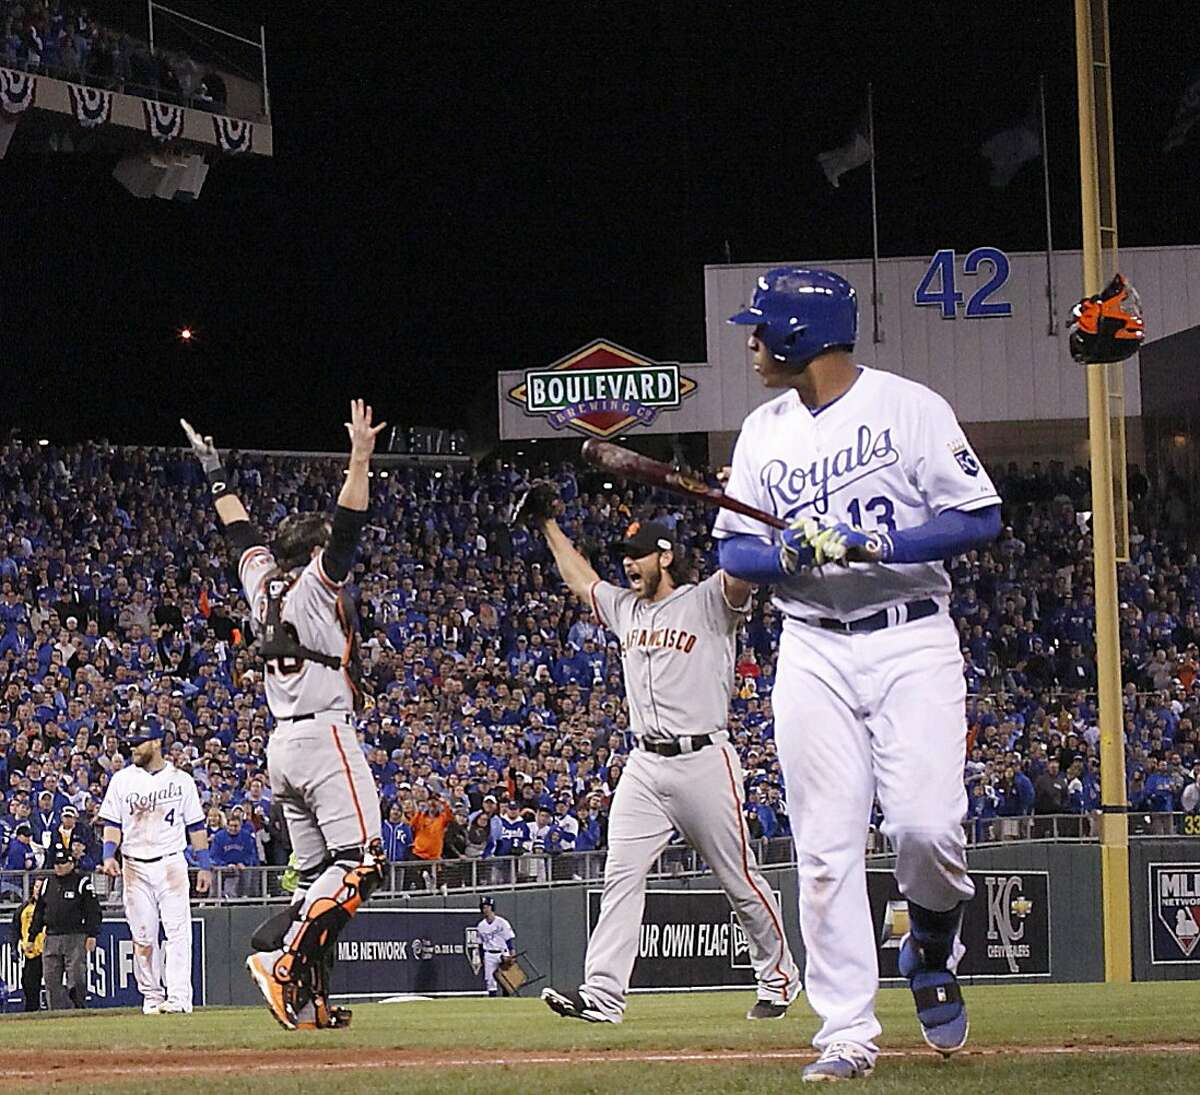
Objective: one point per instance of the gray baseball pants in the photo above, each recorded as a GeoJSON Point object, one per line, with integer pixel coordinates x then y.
{"type": "Point", "coordinates": [701, 795]}
{"type": "Point", "coordinates": [65, 953]}
{"type": "Point", "coordinates": [329, 799]}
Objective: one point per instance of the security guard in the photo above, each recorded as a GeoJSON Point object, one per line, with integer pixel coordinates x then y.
{"type": "Point", "coordinates": [71, 915]}
{"type": "Point", "coordinates": [29, 946]}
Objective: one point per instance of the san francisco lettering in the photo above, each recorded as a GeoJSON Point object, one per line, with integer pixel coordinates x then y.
{"type": "Point", "coordinates": [788, 486]}
{"type": "Point", "coordinates": [661, 638]}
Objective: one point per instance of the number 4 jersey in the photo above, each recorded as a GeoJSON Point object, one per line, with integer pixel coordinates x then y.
{"type": "Point", "coordinates": [152, 809]}
{"type": "Point", "coordinates": [888, 454]}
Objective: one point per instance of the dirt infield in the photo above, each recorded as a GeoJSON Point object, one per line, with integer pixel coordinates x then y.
{"type": "Point", "coordinates": [77, 1068]}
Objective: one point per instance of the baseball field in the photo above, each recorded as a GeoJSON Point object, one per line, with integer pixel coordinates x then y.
{"type": "Point", "coordinates": [1025, 1039]}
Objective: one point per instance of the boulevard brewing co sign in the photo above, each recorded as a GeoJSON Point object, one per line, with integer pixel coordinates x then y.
{"type": "Point", "coordinates": [602, 390]}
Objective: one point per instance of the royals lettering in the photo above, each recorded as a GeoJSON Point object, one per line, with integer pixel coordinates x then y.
{"type": "Point", "coordinates": [793, 490]}
{"type": "Point", "coordinates": [138, 804]}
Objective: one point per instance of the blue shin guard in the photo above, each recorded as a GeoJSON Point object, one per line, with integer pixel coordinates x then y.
{"type": "Point", "coordinates": [925, 956]}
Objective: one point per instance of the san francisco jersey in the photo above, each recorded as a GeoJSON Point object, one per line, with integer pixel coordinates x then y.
{"type": "Point", "coordinates": [310, 605]}
{"type": "Point", "coordinates": [152, 809]}
{"type": "Point", "coordinates": [495, 937]}
{"type": "Point", "coordinates": [678, 655]}
{"type": "Point", "coordinates": [888, 455]}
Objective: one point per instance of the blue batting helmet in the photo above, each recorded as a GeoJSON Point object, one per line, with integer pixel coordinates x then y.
{"type": "Point", "coordinates": [802, 313]}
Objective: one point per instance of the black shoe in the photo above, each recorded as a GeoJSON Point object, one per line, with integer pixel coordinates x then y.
{"type": "Point", "coordinates": [767, 1009]}
{"type": "Point", "coordinates": [572, 1005]}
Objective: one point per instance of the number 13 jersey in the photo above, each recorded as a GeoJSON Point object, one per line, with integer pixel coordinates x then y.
{"type": "Point", "coordinates": [888, 454]}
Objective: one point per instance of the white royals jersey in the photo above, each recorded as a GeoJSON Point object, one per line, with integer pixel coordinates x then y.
{"type": "Point", "coordinates": [889, 454]}
{"type": "Point", "coordinates": [495, 936]}
{"type": "Point", "coordinates": [311, 607]}
{"type": "Point", "coordinates": [153, 809]}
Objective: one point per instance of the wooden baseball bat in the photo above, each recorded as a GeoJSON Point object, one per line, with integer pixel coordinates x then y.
{"type": "Point", "coordinates": [632, 465]}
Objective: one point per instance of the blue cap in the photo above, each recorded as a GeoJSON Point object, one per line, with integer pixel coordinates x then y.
{"type": "Point", "coordinates": [145, 731]}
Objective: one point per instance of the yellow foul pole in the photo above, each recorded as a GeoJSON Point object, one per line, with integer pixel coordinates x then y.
{"type": "Point", "coordinates": [1097, 176]}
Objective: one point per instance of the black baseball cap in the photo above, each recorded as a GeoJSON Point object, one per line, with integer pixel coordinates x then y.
{"type": "Point", "coordinates": [644, 539]}
{"type": "Point", "coordinates": [62, 855]}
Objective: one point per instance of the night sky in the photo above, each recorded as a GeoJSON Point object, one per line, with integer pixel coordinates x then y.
{"type": "Point", "coordinates": [460, 188]}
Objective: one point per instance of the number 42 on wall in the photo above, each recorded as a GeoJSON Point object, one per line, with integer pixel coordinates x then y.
{"type": "Point", "coordinates": [947, 297]}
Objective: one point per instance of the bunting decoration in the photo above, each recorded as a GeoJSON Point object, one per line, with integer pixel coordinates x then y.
{"type": "Point", "coordinates": [16, 90]}
{"type": "Point", "coordinates": [233, 136]}
{"type": "Point", "coordinates": [164, 122]}
{"type": "Point", "coordinates": [91, 106]}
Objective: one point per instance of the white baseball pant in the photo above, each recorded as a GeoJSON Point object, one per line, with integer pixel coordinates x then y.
{"type": "Point", "coordinates": [859, 715]}
{"type": "Point", "coordinates": [701, 795]}
{"type": "Point", "coordinates": [491, 963]}
{"type": "Point", "coordinates": [157, 893]}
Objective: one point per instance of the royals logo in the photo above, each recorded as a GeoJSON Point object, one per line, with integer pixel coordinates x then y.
{"type": "Point", "coordinates": [602, 390]}
{"type": "Point", "coordinates": [965, 457]}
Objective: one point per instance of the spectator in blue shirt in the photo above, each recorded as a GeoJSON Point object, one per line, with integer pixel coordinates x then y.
{"type": "Point", "coordinates": [397, 835]}
{"type": "Point", "coordinates": [235, 848]}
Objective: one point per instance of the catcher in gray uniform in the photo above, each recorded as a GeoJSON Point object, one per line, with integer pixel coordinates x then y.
{"type": "Point", "coordinates": [677, 647]}
{"type": "Point", "coordinates": [307, 626]}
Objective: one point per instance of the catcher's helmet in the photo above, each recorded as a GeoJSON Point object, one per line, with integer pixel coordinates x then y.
{"type": "Point", "coordinates": [296, 536]}
{"type": "Point", "coordinates": [801, 313]}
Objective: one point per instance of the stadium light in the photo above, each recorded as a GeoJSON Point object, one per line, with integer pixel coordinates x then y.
{"type": "Point", "coordinates": [186, 334]}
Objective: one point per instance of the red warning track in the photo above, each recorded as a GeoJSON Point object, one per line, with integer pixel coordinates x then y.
{"type": "Point", "coordinates": [79, 1068]}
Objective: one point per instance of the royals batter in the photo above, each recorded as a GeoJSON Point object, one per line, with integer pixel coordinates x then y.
{"type": "Point", "coordinates": [496, 940]}
{"type": "Point", "coordinates": [677, 648]}
{"type": "Point", "coordinates": [308, 632]}
{"type": "Point", "coordinates": [148, 808]}
{"type": "Point", "coordinates": [879, 485]}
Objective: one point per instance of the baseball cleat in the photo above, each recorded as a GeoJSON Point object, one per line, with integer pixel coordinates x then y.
{"type": "Point", "coordinates": [173, 1008]}
{"type": "Point", "coordinates": [840, 1061]}
{"type": "Point", "coordinates": [574, 1005]}
{"type": "Point", "coordinates": [767, 1009]}
{"type": "Point", "coordinates": [261, 971]}
{"type": "Point", "coordinates": [152, 1007]}
{"type": "Point", "coordinates": [941, 1010]}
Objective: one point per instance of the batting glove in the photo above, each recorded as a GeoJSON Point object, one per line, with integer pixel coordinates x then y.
{"type": "Point", "coordinates": [795, 549]}
{"type": "Point", "coordinates": [840, 542]}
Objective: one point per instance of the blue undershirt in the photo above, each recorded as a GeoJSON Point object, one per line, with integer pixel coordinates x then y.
{"type": "Point", "coordinates": [949, 533]}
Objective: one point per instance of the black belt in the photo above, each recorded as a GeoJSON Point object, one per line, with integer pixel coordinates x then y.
{"type": "Point", "coordinates": [877, 621]}
{"type": "Point", "coordinates": [674, 748]}
{"type": "Point", "coordinates": [138, 859]}
{"type": "Point", "coordinates": [334, 712]}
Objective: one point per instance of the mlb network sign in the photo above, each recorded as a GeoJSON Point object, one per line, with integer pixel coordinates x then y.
{"type": "Point", "coordinates": [1175, 914]}
{"type": "Point", "coordinates": [602, 389]}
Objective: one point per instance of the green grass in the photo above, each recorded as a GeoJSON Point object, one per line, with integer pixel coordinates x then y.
{"type": "Point", "coordinates": [1051, 1016]}
{"type": "Point", "coordinates": [962, 1077]}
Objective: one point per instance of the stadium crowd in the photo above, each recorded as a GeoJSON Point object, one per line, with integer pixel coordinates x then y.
{"type": "Point", "coordinates": [497, 725]}
{"type": "Point", "coordinates": [66, 42]}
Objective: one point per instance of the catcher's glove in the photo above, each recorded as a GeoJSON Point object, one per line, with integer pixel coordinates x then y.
{"type": "Point", "coordinates": [1109, 326]}
{"type": "Point", "coordinates": [536, 506]}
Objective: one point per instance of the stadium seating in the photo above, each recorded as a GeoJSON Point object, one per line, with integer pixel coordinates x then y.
{"type": "Point", "coordinates": [491, 683]}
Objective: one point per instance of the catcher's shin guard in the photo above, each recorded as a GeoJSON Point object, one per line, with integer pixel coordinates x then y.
{"type": "Point", "coordinates": [308, 955]}
{"type": "Point", "coordinates": [270, 934]}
